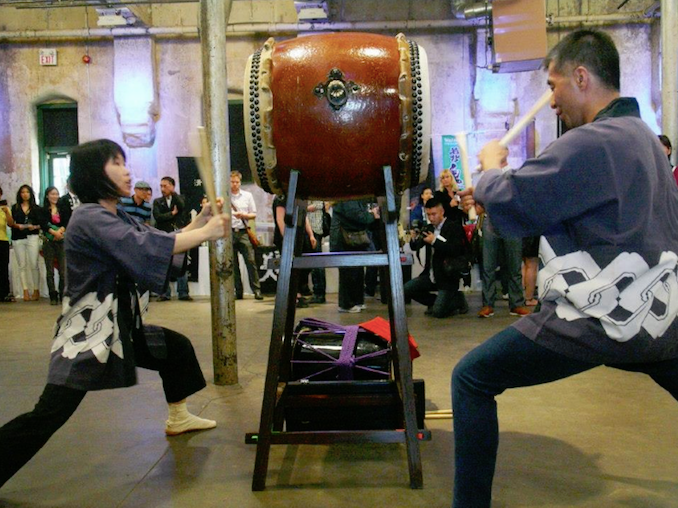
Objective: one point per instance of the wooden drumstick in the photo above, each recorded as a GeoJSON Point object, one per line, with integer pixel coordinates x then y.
{"type": "Point", "coordinates": [205, 168]}
{"type": "Point", "coordinates": [463, 159]}
{"type": "Point", "coordinates": [523, 122]}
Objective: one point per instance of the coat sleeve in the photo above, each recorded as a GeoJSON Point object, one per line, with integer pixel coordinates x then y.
{"type": "Point", "coordinates": [144, 253]}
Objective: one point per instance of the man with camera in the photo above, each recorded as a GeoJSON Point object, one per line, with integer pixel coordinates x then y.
{"type": "Point", "coordinates": [444, 267]}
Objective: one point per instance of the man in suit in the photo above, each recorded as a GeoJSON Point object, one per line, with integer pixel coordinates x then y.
{"type": "Point", "coordinates": [447, 241]}
{"type": "Point", "coordinates": [169, 214]}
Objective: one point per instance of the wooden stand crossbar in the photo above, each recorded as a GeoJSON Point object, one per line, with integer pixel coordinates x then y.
{"type": "Point", "coordinates": [280, 350]}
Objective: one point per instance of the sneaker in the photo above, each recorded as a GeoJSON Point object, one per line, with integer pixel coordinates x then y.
{"type": "Point", "coordinates": [520, 311]}
{"type": "Point", "coordinates": [187, 298]}
{"type": "Point", "coordinates": [302, 303]}
{"type": "Point", "coordinates": [353, 310]}
{"type": "Point", "coordinates": [486, 312]}
{"type": "Point", "coordinates": [504, 296]}
{"type": "Point", "coordinates": [258, 295]}
{"type": "Point", "coordinates": [189, 424]}
{"type": "Point", "coordinates": [362, 306]}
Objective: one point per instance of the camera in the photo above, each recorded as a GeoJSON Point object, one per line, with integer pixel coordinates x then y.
{"type": "Point", "coordinates": [416, 226]}
{"type": "Point", "coordinates": [428, 228]}
{"type": "Point", "coordinates": [3, 202]}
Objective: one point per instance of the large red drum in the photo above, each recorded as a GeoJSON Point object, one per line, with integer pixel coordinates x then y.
{"type": "Point", "coordinates": [338, 108]}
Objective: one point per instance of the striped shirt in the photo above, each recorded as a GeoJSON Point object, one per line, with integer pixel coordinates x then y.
{"type": "Point", "coordinates": [141, 213]}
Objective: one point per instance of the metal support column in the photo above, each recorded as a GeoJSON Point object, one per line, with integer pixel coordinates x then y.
{"type": "Point", "coordinates": [213, 21]}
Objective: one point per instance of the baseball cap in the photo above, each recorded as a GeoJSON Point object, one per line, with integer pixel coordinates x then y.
{"type": "Point", "coordinates": [141, 185]}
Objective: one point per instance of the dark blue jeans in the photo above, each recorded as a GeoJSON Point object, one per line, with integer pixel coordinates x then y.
{"type": "Point", "coordinates": [509, 360]}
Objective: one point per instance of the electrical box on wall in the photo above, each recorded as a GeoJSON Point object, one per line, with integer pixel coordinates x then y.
{"type": "Point", "coordinates": [519, 35]}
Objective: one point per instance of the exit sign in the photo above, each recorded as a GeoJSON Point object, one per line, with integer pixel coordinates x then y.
{"type": "Point", "coordinates": [48, 57]}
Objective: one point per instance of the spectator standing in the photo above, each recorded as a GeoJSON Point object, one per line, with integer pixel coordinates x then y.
{"type": "Point", "coordinates": [315, 212]}
{"type": "Point", "coordinates": [244, 210]}
{"type": "Point", "coordinates": [169, 212]}
{"type": "Point", "coordinates": [668, 150]}
{"type": "Point", "coordinates": [5, 222]}
{"type": "Point", "coordinates": [351, 217]}
{"type": "Point", "coordinates": [66, 204]}
{"type": "Point", "coordinates": [53, 244]}
{"type": "Point", "coordinates": [138, 205]}
{"type": "Point", "coordinates": [26, 240]}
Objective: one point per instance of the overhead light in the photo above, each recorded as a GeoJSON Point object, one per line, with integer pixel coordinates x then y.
{"type": "Point", "coordinates": [115, 17]}
{"type": "Point", "coordinates": [311, 11]}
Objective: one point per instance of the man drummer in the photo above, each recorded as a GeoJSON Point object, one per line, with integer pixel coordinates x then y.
{"type": "Point", "coordinates": [608, 247]}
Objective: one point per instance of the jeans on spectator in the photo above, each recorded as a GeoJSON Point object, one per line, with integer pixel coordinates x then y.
{"type": "Point", "coordinates": [27, 252]}
{"type": "Point", "coordinates": [509, 360]}
{"type": "Point", "coordinates": [493, 244]}
{"type": "Point", "coordinates": [182, 287]}
{"type": "Point", "coordinates": [242, 245]}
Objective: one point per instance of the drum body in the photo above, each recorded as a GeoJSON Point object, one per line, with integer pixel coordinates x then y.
{"type": "Point", "coordinates": [338, 108]}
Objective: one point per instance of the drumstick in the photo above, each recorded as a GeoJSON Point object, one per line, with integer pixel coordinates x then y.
{"type": "Point", "coordinates": [463, 159]}
{"type": "Point", "coordinates": [205, 168]}
{"type": "Point", "coordinates": [522, 123]}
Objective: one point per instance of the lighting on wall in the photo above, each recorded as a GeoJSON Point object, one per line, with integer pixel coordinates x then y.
{"type": "Point", "coordinates": [116, 17]}
{"type": "Point", "coordinates": [308, 12]}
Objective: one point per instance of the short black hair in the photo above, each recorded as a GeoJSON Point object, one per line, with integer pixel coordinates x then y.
{"type": "Point", "coordinates": [88, 178]}
{"type": "Point", "coordinates": [592, 49]}
{"type": "Point", "coordinates": [169, 179]}
{"type": "Point", "coordinates": [433, 202]}
{"type": "Point", "coordinates": [662, 137]}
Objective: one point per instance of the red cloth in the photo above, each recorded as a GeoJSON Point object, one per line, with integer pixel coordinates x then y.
{"type": "Point", "coordinates": [379, 326]}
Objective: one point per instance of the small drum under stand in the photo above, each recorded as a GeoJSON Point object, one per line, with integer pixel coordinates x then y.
{"type": "Point", "coordinates": [280, 352]}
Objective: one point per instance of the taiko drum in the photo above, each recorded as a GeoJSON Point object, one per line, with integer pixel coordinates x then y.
{"type": "Point", "coordinates": [338, 108]}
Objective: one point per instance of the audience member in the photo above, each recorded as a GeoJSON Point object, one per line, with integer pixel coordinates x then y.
{"type": "Point", "coordinates": [26, 240]}
{"type": "Point", "coordinates": [99, 338]}
{"type": "Point", "coordinates": [438, 285]}
{"type": "Point", "coordinates": [138, 205]}
{"type": "Point", "coordinates": [169, 212]}
{"type": "Point", "coordinates": [244, 210]}
{"type": "Point", "coordinates": [668, 150]}
{"type": "Point", "coordinates": [66, 204]}
{"type": "Point", "coordinates": [53, 244]}
{"type": "Point", "coordinates": [530, 269]}
{"type": "Point", "coordinates": [350, 220]}
{"type": "Point", "coordinates": [418, 212]}
{"type": "Point", "coordinates": [315, 210]}
{"type": "Point", "coordinates": [6, 221]}
{"type": "Point", "coordinates": [609, 260]}
{"type": "Point", "coordinates": [510, 250]}
{"type": "Point", "coordinates": [309, 244]}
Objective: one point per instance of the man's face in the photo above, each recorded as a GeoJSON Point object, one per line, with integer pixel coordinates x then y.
{"type": "Point", "coordinates": [567, 98]}
{"type": "Point", "coordinates": [435, 215]}
{"type": "Point", "coordinates": [166, 188]}
{"type": "Point", "coordinates": [235, 184]}
{"type": "Point", "coordinates": [140, 195]}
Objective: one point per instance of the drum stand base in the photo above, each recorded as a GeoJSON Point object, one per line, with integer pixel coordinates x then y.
{"type": "Point", "coordinates": [280, 350]}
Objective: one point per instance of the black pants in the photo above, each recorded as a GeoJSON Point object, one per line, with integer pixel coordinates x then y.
{"type": "Point", "coordinates": [4, 269]}
{"type": "Point", "coordinates": [22, 438]}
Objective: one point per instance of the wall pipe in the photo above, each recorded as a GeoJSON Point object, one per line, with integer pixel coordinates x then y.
{"type": "Point", "coordinates": [213, 18]}
{"type": "Point", "coordinates": [273, 28]}
{"type": "Point", "coordinates": [669, 84]}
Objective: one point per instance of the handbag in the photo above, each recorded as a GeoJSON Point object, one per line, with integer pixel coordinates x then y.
{"type": "Point", "coordinates": [355, 239]}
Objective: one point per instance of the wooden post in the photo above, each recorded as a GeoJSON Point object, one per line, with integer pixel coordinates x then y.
{"type": "Point", "coordinates": [213, 21]}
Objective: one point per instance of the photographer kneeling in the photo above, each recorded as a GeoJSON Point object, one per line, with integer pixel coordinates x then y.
{"type": "Point", "coordinates": [447, 241]}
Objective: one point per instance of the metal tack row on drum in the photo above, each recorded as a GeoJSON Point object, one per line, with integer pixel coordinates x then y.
{"type": "Point", "coordinates": [337, 108]}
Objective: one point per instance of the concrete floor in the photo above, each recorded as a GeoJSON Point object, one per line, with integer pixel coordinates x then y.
{"type": "Point", "coordinates": [602, 439]}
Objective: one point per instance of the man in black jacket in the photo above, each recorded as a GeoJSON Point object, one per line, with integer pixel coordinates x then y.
{"type": "Point", "coordinates": [444, 268]}
{"type": "Point", "coordinates": [169, 212]}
